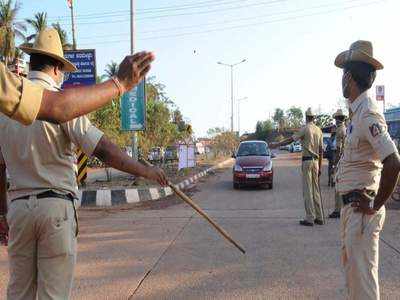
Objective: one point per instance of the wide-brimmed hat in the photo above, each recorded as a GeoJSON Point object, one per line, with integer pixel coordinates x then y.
{"type": "Point", "coordinates": [360, 51]}
{"type": "Point", "coordinates": [48, 43]}
{"type": "Point", "coordinates": [339, 113]}
{"type": "Point", "coordinates": [310, 112]}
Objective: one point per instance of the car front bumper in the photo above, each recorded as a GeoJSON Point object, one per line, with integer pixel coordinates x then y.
{"type": "Point", "coordinates": [253, 178]}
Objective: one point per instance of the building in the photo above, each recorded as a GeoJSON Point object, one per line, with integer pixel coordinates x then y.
{"type": "Point", "coordinates": [392, 117]}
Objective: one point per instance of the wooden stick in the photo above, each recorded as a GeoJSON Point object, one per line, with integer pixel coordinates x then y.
{"type": "Point", "coordinates": [189, 201]}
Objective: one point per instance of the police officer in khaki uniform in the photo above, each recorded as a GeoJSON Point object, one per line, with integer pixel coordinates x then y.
{"type": "Point", "coordinates": [340, 118]}
{"type": "Point", "coordinates": [24, 102]}
{"type": "Point", "coordinates": [311, 137]}
{"type": "Point", "coordinates": [367, 173]}
{"type": "Point", "coordinates": [40, 159]}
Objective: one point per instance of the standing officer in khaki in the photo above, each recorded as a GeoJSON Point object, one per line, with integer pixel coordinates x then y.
{"type": "Point", "coordinates": [367, 173]}
{"type": "Point", "coordinates": [340, 118]}
{"type": "Point", "coordinates": [311, 137]}
{"type": "Point", "coordinates": [40, 160]}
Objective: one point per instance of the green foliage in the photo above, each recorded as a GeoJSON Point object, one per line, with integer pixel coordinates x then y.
{"type": "Point", "coordinates": [295, 117]}
{"type": "Point", "coordinates": [212, 132]}
{"type": "Point", "coordinates": [324, 120]}
{"type": "Point", "coordinates": [264, 130]}
{"type": "Point", "coordinates": [10, 28]}
{"type": "Point", "coordinates": [224, 142]}
{"type": "Point", "coordinates": [38, 23]}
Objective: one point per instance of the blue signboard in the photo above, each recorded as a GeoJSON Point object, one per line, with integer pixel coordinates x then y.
{"type": "Point", "coordinates": [133, 109]}
{"type": "Point", "coordinates": [85, 61]}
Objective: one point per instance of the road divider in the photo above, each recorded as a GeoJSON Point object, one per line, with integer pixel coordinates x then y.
{"type": "Point", "coordinates": [112, 197]}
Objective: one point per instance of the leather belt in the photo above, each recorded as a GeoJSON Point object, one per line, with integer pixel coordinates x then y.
{"type": "Point", "coordinates": [48, 194]}
{"type": "Point", "coordinates": [307, 158]}
{"type": "Point", "coordinates": [354, 196]}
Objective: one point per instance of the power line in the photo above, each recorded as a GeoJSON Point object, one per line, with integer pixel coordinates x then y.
{"type": "Point", "coordinates": [287, 19]}
{"type": "Point", "coordinates": [228, 21]}
{"type": "Point", "coordinates": [184, 14]}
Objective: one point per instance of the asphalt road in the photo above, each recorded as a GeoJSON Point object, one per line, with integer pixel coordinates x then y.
{"type": "Point", "coordinates": [165, 251]}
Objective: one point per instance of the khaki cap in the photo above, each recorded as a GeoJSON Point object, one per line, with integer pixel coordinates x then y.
{"type": "Point", "coordinates": [339, 113]}
{"type": "Point", "coordinates": [310, 112]}
{"type": "Point", "coordinates": [48, 43]}
{"type": "Point", "coordinates": [360, 51]}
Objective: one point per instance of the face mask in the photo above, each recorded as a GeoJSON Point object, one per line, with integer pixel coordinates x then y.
{"type": "Point", "coordinates": [60, 80]}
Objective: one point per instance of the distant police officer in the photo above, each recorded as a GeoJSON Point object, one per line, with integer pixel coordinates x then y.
{"type": "Point", "coordinates": [340, 118]}
{"type": "Point", "coordinates": [367, 173]}
{"type": "Point", "coordinates": [311, 137]}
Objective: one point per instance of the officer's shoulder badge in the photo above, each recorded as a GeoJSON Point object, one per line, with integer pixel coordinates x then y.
{"type": "Point", "coordinates": [375, 129]}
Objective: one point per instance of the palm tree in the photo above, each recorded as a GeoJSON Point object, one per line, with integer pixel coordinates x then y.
{"type": "Point", "coordinates": [9, 29]}
{"type": "Point", "coordinates": [111, 69]}
{"type": "Point", "coordinates": [63, 36]}
{"type": "Point", "coordinates": [38, 23]}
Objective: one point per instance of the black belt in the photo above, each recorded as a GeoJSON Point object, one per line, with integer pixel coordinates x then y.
{"type": "Point", "coordinates": [48, 194]}
{"type": "Point", "coordinates": [307, 158]}
{"type": "Point", "coordinates": [354, 196]}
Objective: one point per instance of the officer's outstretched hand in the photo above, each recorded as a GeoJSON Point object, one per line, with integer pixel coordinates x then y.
{"type": "Point", "coordinates": [134, 68]}
{"type": "Point", "coordinates": [363, 205]}
{"type": "Point", "coordinates": [156, 174]}
{"type": "Point", "coordinates": [3, 231]}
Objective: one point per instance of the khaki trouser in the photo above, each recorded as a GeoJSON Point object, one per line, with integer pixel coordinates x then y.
{"type": "Point", "coordinates": [311, 192]}
{"type": "Point", "coordinates": [360, 252]}
{"type": "Point", "coordinates": [42, 248]}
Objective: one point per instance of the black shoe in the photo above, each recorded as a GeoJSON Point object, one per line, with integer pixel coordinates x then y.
{"type": "Point", "coordinates": [334, 215]}
{"type": "Point", "coordinates": [318, 222]}
{"type": "Point", "coordinates": [306, 223]}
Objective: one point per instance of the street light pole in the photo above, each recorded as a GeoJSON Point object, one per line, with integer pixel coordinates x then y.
{"type": "Point", "coordinates": [134, 134]}
{"type": "Point", "coordinates": [73, 25]}
{"type": "Point", "coordinates": [238, 101]}
{"type": "Point", "coordinates": [232, 102]}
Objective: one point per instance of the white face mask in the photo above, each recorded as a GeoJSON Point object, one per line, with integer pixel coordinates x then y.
{"type": "Point", "coordinates": [60, 80]}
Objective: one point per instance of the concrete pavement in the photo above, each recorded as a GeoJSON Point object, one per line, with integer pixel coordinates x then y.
{"type": "Point", "coordinates": [171, 253]}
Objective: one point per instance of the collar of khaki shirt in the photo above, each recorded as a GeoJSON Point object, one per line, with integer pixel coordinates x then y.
{"type": "Point", "coordinates": [356, 103]}
{"type": "Point", "coordinates": [38, 75]}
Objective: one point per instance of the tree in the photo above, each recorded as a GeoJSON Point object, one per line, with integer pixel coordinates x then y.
{"type": "Point", "coordinates": [295, 117]}
{"type": "Point", "coordinates": [111, 69]}
{"type": "Point", "coordinates": [225, 142]}
{"type": "Point", "coordinates": [324, 120]}
{"type": "Point", "coordinates": [279, 118]}
{"type": "Point", "coordinates": [264, 130]}
{"type": "Point", "coordinates": [10, 28]}
{"type": "Point", "coordinates": [38, 23]}
{"type": "Point", "coordinates": [212, 132]}
{"type": "Point", "coordinates": [63, 36]}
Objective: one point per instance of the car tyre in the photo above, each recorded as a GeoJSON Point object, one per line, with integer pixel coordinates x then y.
{"type": "Point", "coordinates": [236, 186]}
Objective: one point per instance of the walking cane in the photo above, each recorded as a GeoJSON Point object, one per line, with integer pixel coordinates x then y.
{"type": "Point", "coordinates": [201, 212]}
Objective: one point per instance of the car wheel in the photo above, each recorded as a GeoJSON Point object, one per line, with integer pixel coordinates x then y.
{"type": "Point", "coordinates": [236, 186]}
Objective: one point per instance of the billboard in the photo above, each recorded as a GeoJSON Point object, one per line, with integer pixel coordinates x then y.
{"type": "Point", "coordinates": [85, 61]}
{"type": "Point", "coordinates": [133, 109]}
{"type": "Point", "coordinates": [380, 93]}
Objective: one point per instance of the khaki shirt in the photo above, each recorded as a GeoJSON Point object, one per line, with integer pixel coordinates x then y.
{"type": "Point", "coordinates": [311, 138]}
{"type": "Point", "coordinates": [20, 99]}
{"type": "Point", "coordinates": [367, 144]}
{"type": "Point", "coordinates": [340, 137]}
{"type": "Point", "coordinates": [41, 157]}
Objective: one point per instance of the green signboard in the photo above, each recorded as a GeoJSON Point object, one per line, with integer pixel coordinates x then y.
{"type": "Point", "coordinates": [133, 109]}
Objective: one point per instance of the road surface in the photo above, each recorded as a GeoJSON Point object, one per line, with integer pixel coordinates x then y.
{"type": "Point", "coordinates": [168, 252]}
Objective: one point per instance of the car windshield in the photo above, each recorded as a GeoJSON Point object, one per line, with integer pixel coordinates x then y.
{"type": "Point", "coordinates": [253, 149]}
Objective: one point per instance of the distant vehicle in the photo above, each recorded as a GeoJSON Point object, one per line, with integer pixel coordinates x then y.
{"type": "Point", "coordinates": [297, 148]}
{"type": "Point", "coordinates": [156, 154]}
{"type": "Point", "coordinates": [171, 153]}
{"type": "Point", "coordinates": [253, 165]}
{"type": "Point", "coordinates": [286, 147]}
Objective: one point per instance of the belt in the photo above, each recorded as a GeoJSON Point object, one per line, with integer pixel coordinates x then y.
{"type": "Point", "coordinates": [354, 196]}
{"type": "Point", "coordinates": [307, 158]}
{"type": "Point", "coordinates": [51, 194]}
{"type": "Point", "coordinates": [48, 194]}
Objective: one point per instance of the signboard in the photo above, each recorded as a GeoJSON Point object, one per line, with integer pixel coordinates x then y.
{"type": "Point", "coordinates": [85, 61]}
{"type": "Point", "coordinates": [187, 156]}
{"type": "Point", "coordinates": [380, 93]}
{"type": "Point", "coordinates": [133, 109]}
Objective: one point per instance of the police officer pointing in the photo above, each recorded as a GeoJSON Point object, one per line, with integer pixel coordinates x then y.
{"type": "Point", "coordinates": [311, 137]}
{"type": "Point", "coordinates": [367, 173]}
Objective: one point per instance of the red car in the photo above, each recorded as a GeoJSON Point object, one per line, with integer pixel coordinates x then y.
{"type": "Point", "coordinates": [253, 165]}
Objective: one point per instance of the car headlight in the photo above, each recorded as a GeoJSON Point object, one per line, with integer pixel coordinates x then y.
{"type": "Point", "coordinates": [237, 168]}
{"type": "Point", "coordinates": [268, 167]}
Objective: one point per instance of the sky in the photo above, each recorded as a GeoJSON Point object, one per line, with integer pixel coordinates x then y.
{"type": "Point", "coordinates": [289, 47]}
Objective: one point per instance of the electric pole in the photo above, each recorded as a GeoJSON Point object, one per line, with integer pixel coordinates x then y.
{"type": "Point", "coordinates": [134, 134]}
{"type": "Point", "coordinates": [71, 6]}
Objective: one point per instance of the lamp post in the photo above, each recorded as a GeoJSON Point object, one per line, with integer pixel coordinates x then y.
{"type": "Point", "coordinates": [238, 102]}
{"type": "Point", "coordinates": [232, 66]}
